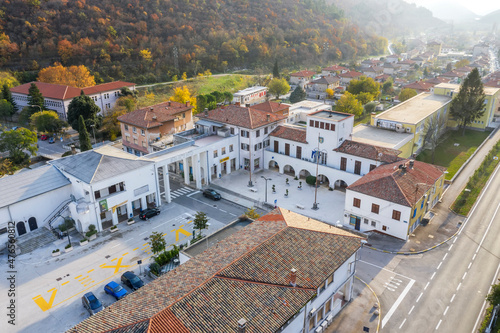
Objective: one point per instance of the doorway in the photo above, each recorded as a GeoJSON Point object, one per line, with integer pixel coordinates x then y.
{"type": "Point", "coordinates": [32, 223]}
{"type": "Point", "coordinates": [21, 228]}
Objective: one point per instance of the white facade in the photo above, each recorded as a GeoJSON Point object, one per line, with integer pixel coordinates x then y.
{"type": "Point", "coordinates": [58, 105]}
{"type": "Point", "coordinates": [250, 96]}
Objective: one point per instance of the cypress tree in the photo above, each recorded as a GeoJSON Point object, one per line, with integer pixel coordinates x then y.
{"type": "Point", "coordinates": [83, 135]}
{"type": "Point", "coordinates": [35, 98]}
{"type": "Point", "coordinates": [276, 70]}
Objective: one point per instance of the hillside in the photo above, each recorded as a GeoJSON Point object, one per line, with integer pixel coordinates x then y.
{"type": "Point", "coordinates": [153, 40]}
{"type": "Point", "coordinates": [449, 11]}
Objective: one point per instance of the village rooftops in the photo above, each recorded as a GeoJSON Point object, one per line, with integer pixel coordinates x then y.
{"type": "Point", "coordinates": [154, 115]}
{"type": "Point", "coordinates": [415, 109]}
{"type": "Point", "coordinates": [351, 74]}
{"type": "Point", "coordinates": [270, 106]}
{"type": "Point", "coordinates": [386, 155]}
{"type": "Point", "coordinates": [288, 132]}
{"type": "Point", "coordinates": [335, 68]}
{"type": "Point", "coordinates": [246, 117]}
{"type": "Point", "coordinates": [304, 73]}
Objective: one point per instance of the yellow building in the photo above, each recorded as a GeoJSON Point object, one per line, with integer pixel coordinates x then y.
{"type": "Point", "coordinates": [490, 103]}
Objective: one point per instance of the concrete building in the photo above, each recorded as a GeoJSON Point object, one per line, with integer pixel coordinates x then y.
{"type": "Point", "coordinates": [435, 47]}
{"type": "Point", "coordinates": [317, 88]}
{"type": "Point", "coordinates": [251, 281]}
{"type": "Point", "coordinates": [57, 97]}
{"type": "Point", "coordinates": [152, 128]}
{"type": "Point", "coordinates": [394, 198]}
{"type": "Point", "coordinates": [334, 70]}
{"type": "Point", "coordinates": [302, 78]}
{"type": "Point", "coordinates": [250, 96]}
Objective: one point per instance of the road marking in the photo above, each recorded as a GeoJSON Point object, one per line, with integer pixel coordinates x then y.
{"type": "Point", "coordinates": [480, 315]}
{"type": "Point", "coordinates": [77, 277]}
{"type": "Point", "coordinates": [474, 258]}
{"type": "Point", "coordinates": [385, 269]}
{"type": "Point", "coordinates": [426, 285]}
{"type": "Point", "coordinates": [470, 264]}
{"type": "Point", "coordinates": [90, 271]}
{"type": "Point", "coordinates": [62, 284]}
{"type": "Point", "coordinates": [413, 307]}
{"type": "Point", "coordinates": [390, 289]}
{"type": "Point", "coordinates": [189, 195]}
{"type": "Point", "coordinates": [418, 299]}
{"type": "Point", "coordinates": [439, 324]}
{"type": "Point", "coordinates": [404, 321]}
{"type": "Point", "coordinates": [145, 244]}
{"type": "Point", "coordinates": [232, 214]}
{"type": "Point", "coordinates": [444, 314]}
{"type": "Point", "coordinates": [465, 274]}
{"type": "Point", "coordinates": [439, 265]}
{"type": "Point", "coordinates": [222, 210]}
{"type": "Point", "coordinates": [42, 303]}
{"type": "Point", "coordinates": [145, 232]}
{"type": "Point", "coordinates": [115, 246]}
{"type": "Point", "coordinates": [459, 285]}
{"type": "Point", "coordinates": [209, 205]}
{"type": "Point", "coordinates": [449, 249]}
{"type": "Point", "coordinates": [452, 298]}
{"type": "Point", "coordinates": [397, 303]}
{"type": "Point", "coordinates": [455, 240]}
{"type": "Point", "coordinates": [116, 267]}
{"type": "Point", "coordinates": [433, 274]}
{"type": "Point", "coordinates": [83, 278]}
{"type": "Point", "coordinates": [129, 239]}
{"type": "Point", "coordinates": [445, 256]}
{"type": "Point", "coordinates": [124, 254]}
{"type": "Point", "coordinates": [135, 249]}
{"type": "Point", "coordinates": [182, 231]}
{"type": "Point", "coordinates": [114, 259]}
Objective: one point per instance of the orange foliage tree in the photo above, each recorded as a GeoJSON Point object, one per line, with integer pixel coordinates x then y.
{"type": "Point", "coordinates": [75, 76]}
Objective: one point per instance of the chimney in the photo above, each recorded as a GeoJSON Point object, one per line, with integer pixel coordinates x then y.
{"type": "Point", "coordinates": [237, 103]}
{"type": "Point", "coordinates": [150, 108]}
{"type": "Point", "coordinates": [242, 325]}
{"type": "Point", "coordinates": [206, 112]}
{"type": "Point", "coordinates": [73, 150]}
{"type": "Point", "coordinates": [412, 162]}
{"type": "Point", "coordinates": [293, 277]}
{"type": "Point", "coordinates": [169, 103]}
{"type": "Point", "coordinates": [268, 118]}
{"type": "Point", "coordinates": [187, 103]}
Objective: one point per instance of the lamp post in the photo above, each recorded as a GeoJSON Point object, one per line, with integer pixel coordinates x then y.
{"type": "Point", "coordinates": [266, 179]}
{"type": "Point", "coordinates": [93, 130]}
{"type": "Point", "coordinates": [317, 154]}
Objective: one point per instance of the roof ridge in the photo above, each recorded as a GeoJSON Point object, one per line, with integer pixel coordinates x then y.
{"type": "Point", "coordinates": [262, 283]}
{"type": "Point", "coordinates": [98, 164]}
{"type": "Point", "coordinates": [122, 326]}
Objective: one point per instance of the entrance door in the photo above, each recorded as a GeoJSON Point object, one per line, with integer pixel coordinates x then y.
{"type": "Point", "coordinates": [32, 223]}
{"type": "Point", "coordinates": [358, 224]}
{"type": "Point", "coordinates": [287, 149]}
{"type": "Point", "coordinates": [21, 228]}
{"type": "Point", "coordinates": [276, 146]}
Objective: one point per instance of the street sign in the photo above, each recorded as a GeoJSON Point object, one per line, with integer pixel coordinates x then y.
{"type": "Point", "coordinates": [139, 262]}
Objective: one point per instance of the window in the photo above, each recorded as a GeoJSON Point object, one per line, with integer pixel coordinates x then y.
{"type": "Point", "coordinates": [332, 127]}
{"type": "Point", "coordinates": [143, 133]}
{"type": "Point", "coordinates": [375, 208]}
{"type": "Point", "coordinates": [287, 149]}
{"type": "Point", "coordinates": [223, 151]}
{"type": "Point", "coordinates": [330, 279]}
{"type": "Point", "coordinates": [357, 167]}
{"type": "Point", "coordinates": [135, 140]}
{"type": "Point", "coordinates": [298, 152]}
{"type": "Point", "coordinates": [422, 204]}
{"type": "Point", "coordinates": [372, 166]}
{"type": "Point", "coordinates": [244, 146]}
{"type": "Point", "coordinates": [356, 202]}
{"type": "Point", "coordinates": [267, 143]}
{"type": "Point", "coordinates": [232, 130]}
{"type": "Point", "coordinates": [260, 145]}
{"type": "Point", "coordinates": [316, 124]}
{"type": "Point", "coordinates": [126, 127]}
{"type": "Point", "coordinates": [396, 215]}
{"type": "Point", "coordinates": [343, 163]}
{"type": "Point", "coordinates": [112, 189]}
{"type": "Point", "coordinates": [255, 147]}
{"type": "Point", "coordinates": [328, 306]}
{"type": "Point", "coordinates": [257, 134]}
{"type": "Point", "coordinates": [244, 133]}
{"type": "Point", "coordinates": [414, 212]}
{"type": "Point", "coordinates": [134, 129]}
{"type": "Point", "coordinates": [365, 221]}
{"type": "Point", "coordinates": [327, 126]}
{"type": "Point", "coordinates": [215, 153]}
{"type": "Point", "coordinates": [374, 224]}
{"type": "Point", "coordinates": [144, 144]}
{"type": "Point", "coordinates": [184, 115]}
{"type": "Point", "coordinates": [311, 123]}
{"type": "Point", "coordinates": [265, 130]}
{"type": "Point", "coordinates": [322, 125]}
{"type": "Point", "coordinates": [384, 228]}
{"type": "Point", "coordinates": [127, 138]}
{"type": "Point", "coordinates": [97, 194]}
{"type": "Point", "coordinates": [230, 148]}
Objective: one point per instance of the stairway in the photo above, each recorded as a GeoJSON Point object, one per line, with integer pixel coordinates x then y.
{"type": "Point", "coordinates": [34, 240]}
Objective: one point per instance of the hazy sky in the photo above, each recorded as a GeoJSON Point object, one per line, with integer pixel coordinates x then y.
{"type": "Point", "coordinates": [480, 7]}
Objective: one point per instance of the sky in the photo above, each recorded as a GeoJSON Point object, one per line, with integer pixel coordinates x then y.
{"type": "Point", "coordinates": [481, 7]}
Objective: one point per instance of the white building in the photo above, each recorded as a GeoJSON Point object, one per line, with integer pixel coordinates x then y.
{"type": "Point", "coordinates": [57, 97]}
{"type": "Point", "coordinates": [250, 96]}
{"type": "Point", "coordinates": [302, 78]}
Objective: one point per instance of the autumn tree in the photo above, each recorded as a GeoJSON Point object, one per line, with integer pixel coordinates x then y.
{"type": "Point", "coordinates": [7, 48]}
{"type": "Point", "coordinates": [82, 106]}
{"type": "Point", "coordinates": [83, 135]}
{"type": "Point", "coordinates": [17, 142]}
{"type": "Point", "coordinates": [6, 109]}
{"type": "Point", "coordinates": [297, 95]}
{"type": "Point", "coordinates": [468, 105]}
{"type": "Point", "coordinates": [74, 76]}
{"type": "Point", "coordinates": [462, 63]}
{"type": "Point", "coordinates": [183, 95]}
{"type": "Point", "coordinates": [365, 88]}
{"type": "Point", "coordinates": [8, 79]}
{"type": "Point", "coordinates": [278, 87]}
{"type": "Point", "coordinates": [47, 121]}
{"type": "Point", "coordinates": [329, 92]}
{"type": "Point", "coordinates": [65, 50]}
{"type": "Point", "coordinates": [406, 94]}
{"type": "Point", "coordinates": [349, 104]}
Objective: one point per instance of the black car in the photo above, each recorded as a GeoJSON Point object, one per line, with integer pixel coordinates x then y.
{"type": "Point", "coordinates": [131, 280]}
{"type": "Point", "coordinates": [149, 213]}
{"type": "Point", "coordinates": [212, 194]}
{"type": "Point", "coordinates": [91, 303]}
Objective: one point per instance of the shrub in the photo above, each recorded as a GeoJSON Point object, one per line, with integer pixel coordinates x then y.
{"type": "Point", "coordinates": [114, 227]}
{"type": "Point", "coordinates": [83, 240]}
{"type": "Point", "coordinates": [67, 246]}
{"type": "Point", "coordinates": [56, 250]}
{"type": "Point", "coordinates": [154, 268]}
{"type": "Point", "coordinates": [311, 180]}
{"type": "Point", "coordinates": [131, 219]}
{"type": "Point", "coordinates": [92, 227]}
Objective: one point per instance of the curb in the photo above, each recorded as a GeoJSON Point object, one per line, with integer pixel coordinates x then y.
{"type": "Point", "coordinates": [378, 302]}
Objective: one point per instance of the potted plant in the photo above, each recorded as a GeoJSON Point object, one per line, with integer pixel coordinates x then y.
{"type": "Point", "coordinates": [84, 242]}
{"type": "Point", "coordinates": [300, 186]}
{"type": "Point", "coordinates": [56, 253]}
{"type": "Point", "coordinates": [286, 193]}
{"type": "Point", "coordinates": [130, 221]}
{"type": "Point", "coordinates": [68, 248]}
{"type": "Point", "coordinates": [274, 188]}
{"type": "Point", "coordinates": [287, 182]}
{"type": "Point", "coordinates": [296, 178]}
{"type": "Point", "coordinates": [114, 228]}
{"type": "Point", "coordinates": [92, 233]}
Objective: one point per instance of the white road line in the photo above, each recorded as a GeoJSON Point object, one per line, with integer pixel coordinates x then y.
{"type": "Point", "coordinates": [452, 298]}
{"type": "Point", "coordinates": [190, 194]}
{"type": "Point", "coordinates": [480, 315]}
{"type": "Point", "coordinates": [455, 240]}
{"type": "Point", "coordinates": [222, 210]}
{"type": "Point", "coordinates": [129, 239]}
{"type": "Point", "coordinates": [418, 299]}
{"type": "Point", "coordinates": [202, 202]}
{"type": "Point", "coordinates": [433, 274]}
{"type": "Point", "coordinates": [465, 274]}
{"type": "Point", "coordinates": [426, 285]}
{"type": "Point", "coordinates": [404, 321]}
{"type": "Point", "coordinates": [445, 256]}
{"type": "Point", "coordinates": [473, 258]}
{"type": "Point", "coordinates": [145, 232]}
{"type": "Point", "coordinates": [489, 225]}
{"type": "Point", "coordinates": [459, 285]}
{"type": "Point", "coordinates": [398, 301]}
{"type": "Point", "coordinates": [115, 246]}
{"type": "Point", "coordinates": [385, 269]}
{"type": "Point", "coordinates": [439, 324]}
{"type": "Point", "coordinates": [232, 214]}
{"type": "Point", "coordinates": [449, 249]}
{"type": "Point", "coordinates": [446, 310]}
{"type": "Point", "coordinates": [439, 265]}
{"type": "Point", "coordinates": [470, 264]}
{"type": "Point", "coordinates": [413, 307]}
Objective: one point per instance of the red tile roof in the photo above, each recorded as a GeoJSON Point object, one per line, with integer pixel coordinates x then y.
{"type": "Point", "coordinates": [382, 77]}
{"type": "Point", "coordinates": [376, 153]}
{"type": "Point", "coordinates": [438, 80]}
{"type": "Point", "coordinates": [304, 73]}
{"type": "Point", "coordinates": [289, 133]}
{"type": "Point", "coordinates": [392, 184]}
{"type": "Point", "coordinates": [326, 80]}
{"type": "Point", "coordinates": [351, 74]}
{"type": "Point", "coordinates": [335, 68]}
{"type": "Point", "coordinates": [154, 115]}
{"type": "Point", "coordinates": [242, 116]}
{"type": "Point", "coordinates": [245, 275]}
{"type": "Point", "coordinates": [63, 92]}
{"type": "Point", "coordinates": [420, 85]}
{"type": "Point", "coordinates": [453, 74]}
{"type": "Point", "coordinates": [271, 107]}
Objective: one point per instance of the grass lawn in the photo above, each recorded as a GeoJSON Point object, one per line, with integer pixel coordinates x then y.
{"type": "Point", "coordinates": [453, 157]}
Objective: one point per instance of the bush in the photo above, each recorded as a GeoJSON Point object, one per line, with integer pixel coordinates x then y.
{"type": "Point", "coordinates": [56, 250]}
{"type": "Point", "coordinates": [84, 240]}
{"type": "Point", "coordinates": [154, 268]}
{"type": "Point", "coordinates": [311, 180]}
{"type": "Point", "coordinates": [92, 227]}
{"type": "Point", "coordinates": [114, 227]}
{"type": "Point", "coordinates": [68, 246]}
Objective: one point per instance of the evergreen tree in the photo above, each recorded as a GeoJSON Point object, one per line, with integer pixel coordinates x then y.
{"type": "Point", "coordinates": [35, 98]}
{"type": "Point", "coordinates": [297, 95]}
{"type": "Point", "coordinates": [468, 105]}
{"type": "Point", "coordinates": [82, 106]}
{"type": "Point", "coordinates": [276, 70]}
{"type": "Point", "coordinates": [83, 135]}
{"type": "Point", "coordinates": [7, 95]}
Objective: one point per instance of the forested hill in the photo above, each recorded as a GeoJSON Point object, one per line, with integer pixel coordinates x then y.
{"type": "Point", "coordinates": [148, 40]}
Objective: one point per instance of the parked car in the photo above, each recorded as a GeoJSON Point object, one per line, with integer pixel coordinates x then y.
{"type": "Point", "coordinates": [149, 213]}
{"type": "Point", "coordinates": [212, 194]}
{"type": "Point", "coordinates": [91, 303]}
{"type": "Point", "coordinates": [51, 139]}
{"type": "Point", "coordinates": [44, 137]}
{"type": "Point", "coordinates": [115, 290]}
{"type": "Point", "coordinates": [131, 280]}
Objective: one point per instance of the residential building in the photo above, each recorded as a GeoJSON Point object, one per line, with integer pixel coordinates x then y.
{"type": "Point", "coordinates": [435, 47]}
{"type": "Point", "coordinates": [480, 49]}
{"type": "Point", "coordinates": [345, 78]}
{"type": "Point", "coordinates": [419, 86]}
{"type": "Point", "coordinates": [299, 111]}
{"type": "Point", "coordinates": [406, 64]}
{"type": "Point", "coordinates": [437, 80]}
{"type": "Point", "coordinates": [273, 107]}
{"type": "Point", "coordinates": [57, 97]}
{"type": "Point", "coordinates": [373, 71]}
{"type": "Point", "coordinates": [152, 128]}
{"type": "Point", "coordinates": [317, 88]}
{"type": "Point", "coordinates": [382, 78]}
{"type": "Point", "coordinates": [392, 59]}
{"type": "Point", "coordinates": [390, 68]}
{"type": "Point", "coordinates": [282, 273]}
{"type": "Point", "coordinates": [370, 63]}
{"type": "Point", "coordinates": [394, 198]}
{"type": "Point", "coordinates": [250, 96]}
{"type": "Point", "coordinates": [302, 78]}
{"type": "Point", "coordinates": [419, 60]}
{"type": "Point", "coordinates": [334, 70]}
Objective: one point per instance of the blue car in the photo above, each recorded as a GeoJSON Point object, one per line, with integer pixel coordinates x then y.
{"type": "Point", "coordinates": [115, 290]}
{"type": "Point", "coordinates": [91, 303]}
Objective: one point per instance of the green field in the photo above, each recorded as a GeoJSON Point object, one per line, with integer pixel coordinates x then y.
{"type": "Point", "coordinates": [453, 157]}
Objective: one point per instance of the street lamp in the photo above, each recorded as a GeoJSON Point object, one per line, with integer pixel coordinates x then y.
{"type": "Point", "coordinates": [317, 153]}
{"type": "Point", "coordinates": [266, 179]}
{"type": "Point", "coordinates": [93, 130]}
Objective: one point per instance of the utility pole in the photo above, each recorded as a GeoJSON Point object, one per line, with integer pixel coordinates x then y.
{"type": "Point", "coordinates": [318, 154]}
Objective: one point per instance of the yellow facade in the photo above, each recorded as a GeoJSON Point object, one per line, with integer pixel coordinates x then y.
{"type": "Point", "coordinates": [422, 206]}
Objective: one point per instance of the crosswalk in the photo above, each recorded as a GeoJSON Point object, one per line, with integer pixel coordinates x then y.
{"type": "Point", "coordinates": [180, 192]}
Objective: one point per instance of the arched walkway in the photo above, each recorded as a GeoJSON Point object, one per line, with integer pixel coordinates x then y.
{"type": "Point", "coordinates": [289, 170]}
{"type": "Point", "coordinates": [340, 185]}
{"type": "Point", "coordinates": [274, 166]}
{"type": "Point", "coordinates": [323, 180]}
{"type": "Point", "coordinates": [303, 174]}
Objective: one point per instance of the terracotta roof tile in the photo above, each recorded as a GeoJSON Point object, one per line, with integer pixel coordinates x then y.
{"type": "Point", "coordinates": [115, 85]}
{"type": "Point", "coordinates": [242, 116]}
{"type": "Point", "coordinates": [154, 115]}
{"type": "Point", "coordinates": [386, 155]}
{"type": "Point", "coordinates": [166, 322]}
{"type": "Point", "coordinates": [389, 183]}
{"type": "Point", "coordinates": [304, 73]}
{"type": "Point", "coordinates": [289, 133]}
{"type": "Point", "coordinates": [351, 74]}
{"type": "Point", "coordinates": [335, 68]}
{"type": "Point", "coordinates": [420, 85]}
{"type": "Point", "coordinates": [269, 106]}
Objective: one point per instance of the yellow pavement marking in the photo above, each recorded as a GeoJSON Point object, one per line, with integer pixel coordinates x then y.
{"type": "Point", "coordinates": [124, 254]}
{"type": "Point", "coordinates": [77, 277]}
{"type": "Point", "coordinates": [164, 235]}
{"type": "Point", "coordinates": [42, 303]}
{"type": "Point", "coordinates": [83, 278]}
{"type": "Point", "coordinates": [62, 284]}
{"type": "Point", "coordinates": [117, 266]}
{"type": "Point", "coordinates": [135, 249]}
{"type": "Point", "coordinates": [145, 244]}
{"type": "Point", "coordinates": [114, 259]}
{"type": "Point", "coordinates": [190, 221]}
{"type": "Point", "coordinates": [182, 231]}
{"type": "Point", "coordinates": [90, 271]}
